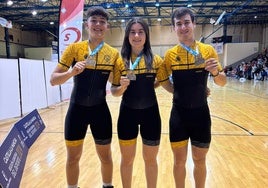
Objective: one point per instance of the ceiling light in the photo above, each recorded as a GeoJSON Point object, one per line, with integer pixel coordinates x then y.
{"type": "Point", "coordinates": [51, 23]}
{"type": "Point", "coordinates": [157, 4]}
{"type": "Point", "coordinates": [189, 5]}
{"type": "Point", "coordinates": [211, 21]}
{"type": "Point", "coordinates": [108, 5]}
{"type": "Point", "coordinates": [34, 12]}
{"type": "Point", "coordinates": [159, 19]}
{"type": "Point", "coordinates": [9, 2]}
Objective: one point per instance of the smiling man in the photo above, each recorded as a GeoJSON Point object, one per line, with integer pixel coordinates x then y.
{"type": "Point", "coordinates": [89, 63]}
{"type": "Point", "coordinates": [190, 62]}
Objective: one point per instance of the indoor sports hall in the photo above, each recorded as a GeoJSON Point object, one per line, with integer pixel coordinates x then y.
{"type": "Point", "coordinates": [33, 152]}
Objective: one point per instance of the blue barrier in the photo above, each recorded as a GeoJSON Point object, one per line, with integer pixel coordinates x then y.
{"type": "Point", "coordinates": [14, 149]}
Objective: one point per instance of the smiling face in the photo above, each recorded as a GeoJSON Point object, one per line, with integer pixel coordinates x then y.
{"type": "Point", "coordinates": [97, 26]}
{"type": "Point", "coordinates": [184, 28]}
{"type": "Point", "coordinates": [137, 37]}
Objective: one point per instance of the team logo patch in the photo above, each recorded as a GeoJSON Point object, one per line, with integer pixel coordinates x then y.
{"type": "Point", "coordinates": [107, 58]}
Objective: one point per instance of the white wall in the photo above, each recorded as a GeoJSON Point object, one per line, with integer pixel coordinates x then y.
{"type": "Point", "coordinates": [234, 51]}
{"type": "Point", "coordinates": [38, 53]}
{"type": "Point", "coordinates": [9, 89]}
{"type": "Point", "coordinates": [24, 86]}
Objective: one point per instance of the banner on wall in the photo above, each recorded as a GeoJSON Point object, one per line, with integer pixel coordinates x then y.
{"type": "Point", "coordinates": [5, 23]}
{"type": "Point", "coordinates": [218, 47]}
{"type": "Point", "coordinates": [71, 23]}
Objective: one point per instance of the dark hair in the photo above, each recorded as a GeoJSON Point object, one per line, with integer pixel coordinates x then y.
{"type": "Point", "coordinates": [182, 11]}
{"type": "Point", "coordinates": [147, 50]}
{"type": "Point", "coordinates": [97, 11]}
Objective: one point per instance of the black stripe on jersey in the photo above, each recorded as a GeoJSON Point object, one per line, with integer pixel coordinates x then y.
{"type": "Point", "coordinates": [64, 65]}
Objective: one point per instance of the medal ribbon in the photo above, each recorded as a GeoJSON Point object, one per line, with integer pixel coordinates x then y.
{"type": "Point", "coordinates": [136, 62]}
{"type": "Point", "coordinates": [190, 50]}
{"type": "Point", "coordinates": [96, 50]}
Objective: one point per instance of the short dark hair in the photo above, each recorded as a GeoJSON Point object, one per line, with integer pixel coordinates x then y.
{"type": "Point", "coordinates": [182, 11]}
{"type": "Point", "coordinates": [97, 10]}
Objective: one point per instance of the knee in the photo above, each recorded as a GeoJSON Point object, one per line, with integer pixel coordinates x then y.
{"type": "Point", "coordinates": [151, 161]}
{"type": "Point", "coordinates": [73, 158]}
{"type": "Point", "coordinates": [180, 157]}
{"type": "Point", "coordinates": [179, 162]}
{"type": "Point", "coordinates": [199, 160]}
{"type": "Point", "coordinates": [199, 156]}
{"type": "Point", "coordinates": [127, 161]}
{"type": "Point", "coordinates": [106, 158]}
{"type": "Point", "coordinates": [150, 158]}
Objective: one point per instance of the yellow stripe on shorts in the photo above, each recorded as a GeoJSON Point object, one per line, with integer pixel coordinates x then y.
{"type": "Point", "coordinates": [179, 144]}
{"type": "Point", "coordinates": [127, 142]}
{"type": "Point", "coordinates": [74, 142]}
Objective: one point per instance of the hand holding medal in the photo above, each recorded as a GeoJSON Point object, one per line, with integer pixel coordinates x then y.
{"type": "Point", "coordinates": [78, 67]}
{"type": "Point", "coordinates": [130, 73]}
{"type": "Point", "coordinates": [212, 66]}
{"type": "Point", "coordinates": [124, 82]}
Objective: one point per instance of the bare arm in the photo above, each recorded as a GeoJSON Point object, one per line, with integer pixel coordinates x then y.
{"type": "Point", "coordinates": [220, 79]}
{"type": "Point", "coordinates": [212, 67]}
{"type": "Point", "coordinates": [119, 90]}
{"type": "Point", "coordinates": [167, 85]}
{"type": "Point", "coordinates": [110, 79]}
{"type": "Point", "coordinates": [156, 84]}
{"type": "Point", "coordinates": [60, 76]}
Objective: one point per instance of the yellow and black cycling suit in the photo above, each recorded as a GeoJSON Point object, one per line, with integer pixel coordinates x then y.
{"type": "Point", "coordinates": [139, 105]}
{"type": "Point", "coordinates": [190, 116]}
{"type": "Point", "coordinates": [88, 99]}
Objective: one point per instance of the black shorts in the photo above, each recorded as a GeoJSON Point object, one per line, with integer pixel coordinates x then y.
{"type": "Point", "coordinates": [79, 117]}
{"type": "Point", "coordinates": [147, 120]}
{"type": "Point", "coordinates": [192, 123]}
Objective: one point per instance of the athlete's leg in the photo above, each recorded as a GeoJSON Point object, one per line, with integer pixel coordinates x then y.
{"type": "Point", "coordinates": [179, 136]}
{"type": "Point", "coordinates": [199, 159]}
{"type": "Point", "coordinates": [179, 170]}
{"type": "Point", "coordinates": [72, 164]}
{"type": "Point", "coordinates": [151, 166]}
{"type": "Point", "coordinates": [101, 128]}
{"type": "Point", "coordinates": [127, 128]}
{"type": "Point", "coordinates": [200, 140]}
{"type": "Point", "coordinates": [150, 129]}
{"type": "Point", "coordinates": [128, 151]}
{"type": "Point", "coordinates": [74, 131]}
{"type": "Point", "coordinates": [105, 156]}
